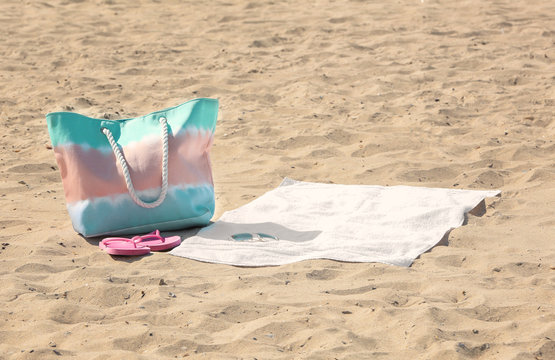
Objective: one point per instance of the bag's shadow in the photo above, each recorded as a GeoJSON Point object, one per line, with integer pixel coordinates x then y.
{"type": "Point", "coordinates": [226, 229]}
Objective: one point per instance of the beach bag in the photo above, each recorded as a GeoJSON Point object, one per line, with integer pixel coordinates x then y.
{"type": "Point", "coordinates": [135, 175]}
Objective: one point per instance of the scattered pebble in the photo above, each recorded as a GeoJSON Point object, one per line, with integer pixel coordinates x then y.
{"type": "Point", "coordinates": [162, 282]}
{"type": "Point", "coordinates": [171, 295]}
{"type": "Point", "coordinates": [52, 344]}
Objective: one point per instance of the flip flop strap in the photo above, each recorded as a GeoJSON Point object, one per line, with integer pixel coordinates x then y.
{"type": "Point", "coordinates": [125, 169]}
{"type": "Point", "coordinates": [133, 241]}
{"type": "Point", "coordinates": [148, 237]}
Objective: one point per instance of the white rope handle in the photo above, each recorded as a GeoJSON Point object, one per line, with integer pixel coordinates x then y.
{"type": "Point", "coordinates": [125, 169]}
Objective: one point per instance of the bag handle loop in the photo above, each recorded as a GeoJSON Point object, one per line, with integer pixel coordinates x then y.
{"type": "Point", "coordinates": [125, 169]}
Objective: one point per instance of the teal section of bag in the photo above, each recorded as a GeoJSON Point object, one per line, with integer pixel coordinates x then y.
{"type": "Point", "coordinates": [183, 207]}
{"type": "Point", "coordinates": [71, 128]}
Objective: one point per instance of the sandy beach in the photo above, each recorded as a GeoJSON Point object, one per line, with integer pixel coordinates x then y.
{"type": "Point", "coordinates": [428, 93]}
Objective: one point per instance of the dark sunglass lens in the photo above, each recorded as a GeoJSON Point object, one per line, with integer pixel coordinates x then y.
{"type": "Point", "coordinates": [241, 237]}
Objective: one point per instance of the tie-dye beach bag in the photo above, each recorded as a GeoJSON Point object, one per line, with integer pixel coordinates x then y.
{"type": "Point", "coordinates": [136, 175]}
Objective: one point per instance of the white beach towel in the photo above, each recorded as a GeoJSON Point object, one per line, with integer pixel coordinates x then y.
{"type": "Point", "coordinates": [354, 223]}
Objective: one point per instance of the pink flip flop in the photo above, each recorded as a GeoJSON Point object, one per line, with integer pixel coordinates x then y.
{"type": "Point", "coordinates": [123, 246]}
{"type": "Point", "coordinates": [139, 245]}
{"type": "Point", "coordinates": [157, 243]}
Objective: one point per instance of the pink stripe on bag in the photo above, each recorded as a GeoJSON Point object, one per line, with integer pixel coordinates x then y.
{"type": "Point", "coordinates": [90, 173]}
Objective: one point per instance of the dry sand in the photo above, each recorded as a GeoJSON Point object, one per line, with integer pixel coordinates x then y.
{"type": "Point", "coordinates": [422, 92]}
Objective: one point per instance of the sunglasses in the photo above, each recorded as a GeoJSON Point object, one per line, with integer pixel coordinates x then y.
{"type": "Point", "coordinates": [253, 237]}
